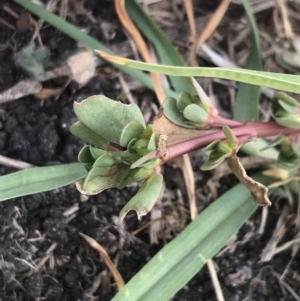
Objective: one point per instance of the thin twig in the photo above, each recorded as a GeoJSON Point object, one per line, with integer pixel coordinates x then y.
{"type": "Point", "coordinates": [215, 280]}
{"type": "Point", "coordinates": [286, 286]}
{"type": "Point", "coordinates": [137, 37]}
{"type": "Point", "coordinates": [264, 216]}
{"type": "Point", "coordinates": [286, 21]}
{"type": "Point", "coordinates": [117, 276]}
{"type": "Point", "coordinates": [209, 29]}
{"type": "Point", "coordinates": [14, 163]}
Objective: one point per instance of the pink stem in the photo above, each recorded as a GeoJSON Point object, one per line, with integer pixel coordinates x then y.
{"type": "Point", "coordinates": [248, 129]}
{"type": "Point", "coordinates": [220, 121]}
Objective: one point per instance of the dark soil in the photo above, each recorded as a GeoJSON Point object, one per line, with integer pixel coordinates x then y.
{"type": "Point", "coordinates": [42, 256]}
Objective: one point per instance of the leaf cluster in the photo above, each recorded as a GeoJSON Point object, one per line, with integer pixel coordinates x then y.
{"type": "Point", "coordinates": [285, 110]}
{"type": "Point", "coordinates": [190, 111]}
{"type": "Point", "coordinates": [219, 150]}
{"type": "Point", "coordinates": [121, 149]}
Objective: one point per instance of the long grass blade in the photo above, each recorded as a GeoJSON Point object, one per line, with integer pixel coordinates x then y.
{"type": "Point", "coordinates": [39, 179]}
{"type": "Point", "coordinates": [249, 95]}
{"type": "Point", "coordinates": [183, 257]}
{"type": "Point", "coordinates": [279, 81]}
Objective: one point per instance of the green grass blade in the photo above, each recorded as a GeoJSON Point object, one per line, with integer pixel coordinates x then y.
{"type": "Point", "coordinates": [167, 53]}
{"type": "Point", "coordinates": [279, 81]}
{"type": "Point", "coordinates": [85, 39]}
{"type": "Point", "coordinates": [39, 179]}
{"type": "Point", "coordinates": [183, 257]}
{"type": "Point", "coordinates": [248, 96]}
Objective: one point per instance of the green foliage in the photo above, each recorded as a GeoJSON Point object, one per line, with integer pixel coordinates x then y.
{"type": "Point", "coordinates": [33, 59]}
{"type": "Point", "coordinates": [122, 150]}
{"type": "Point", "coordinates": [249, 95]}
{"type": "Point", "coordinates": [105, 121]}
{"type": "Point", "coordinates": [81, 131]}
{"type": "Point", "coordinates": [288, 155]}
{"type": "Point", "coordinates": [285, 110]}
{"type": "Point", "coordinates": [290, 58]}
{"type": "Point", "coordinates": [187, 111]}
{"type": "Point", "coordinates": [108, 118]}
{"type": "Point", "coordinates": [173, 266]}
{"type": "Point", "coordinates": [220, 150]}
{"type": "Point", "coordinates": [279, 81]}
{"type": "Point", "coordinates": [39, 179]}
{"type": "Point", "coordinates": [145, 198]}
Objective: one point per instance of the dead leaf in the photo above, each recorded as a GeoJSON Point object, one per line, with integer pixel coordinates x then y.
{"type": "Point", "coordinates": [45, 93]}
{"type": "Point", "coordinates": [117, 276]}
{"type": "Point", "coordinates": [184, 163]}
{"type": "Point", "coordinates": [26, 22]}
{"type": "Point", "coordinates": [281, 227]}
{"type": "Point", "coordinates": [248, 163]}
{"type": "Point", "coordinates": [21, 89]}
{"type": "Point", "coordinates": [258, 190]}
{"type": "Point", "coordinates": [277, 173]}
{"type": "Point", "coordinates": [283, 182]}
{"type": "Point", "coordinates": [82, 66]}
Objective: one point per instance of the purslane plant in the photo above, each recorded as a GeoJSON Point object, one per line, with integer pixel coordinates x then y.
{"type": "Point", "coordinates": [123, 149]}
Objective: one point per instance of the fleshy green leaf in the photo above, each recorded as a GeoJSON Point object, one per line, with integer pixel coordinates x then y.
{"type": "Point", "coordinates": [290, 122]}
{"type": "Point", "coordinates": [152, 145]}
{"type": "Point", "coordinates": [133, 176]}
{"type": "Point", "coordinates": [212, 146]}
{"type": "Point", "coordinates": [289, 108]}
{"type": "Point", "coordinates": [288, 160]}
{"type": "Point", "coordinates": [107, 117]}
{"type": "Point", "coordinates": [39, 179]}
{"type": "Point", "coordinates": [151, 164]}
{"type": "Point", "coordinates": [195, 114]}
{"type": "Point", "coordinates": [145, 198]}
{"type": "Point", "coordinates": [85, 155]}
{"type": "Point", "coordinates": [231, 138]}
{"type": "Point", "coordinates": [172, 113]}
{"type": "Point", "coordinates": [291, 58]}
{"type": "Point", "coordinates": [132, 130]}
{"type": "Point", "coordinates": [283, 63]}
{"type": "Point", "coordinates": [96, 182]}
{"type": "Point", "coordinates": [105, 160]}
{"type": "Point", "coordinates": [184, 99]}
{"type": "Point", "coordinates": [96, 152]}
{"type": "Point", "coordinates": [126, 157]}
{"type": "Point", "coordinates": [214, 160]}
{"type": "Point", "coordinates": [144, 160]}
{"type": "Point", "coordinates": [224, 147]}
{"type": "Point", "coordinates": [286, 99]}
{"type": "Point", "coordinates": [79, 130]}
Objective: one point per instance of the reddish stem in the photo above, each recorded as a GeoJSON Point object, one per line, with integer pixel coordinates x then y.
{"type": "Point", "coordinates": [248, 129]}
{"type": "Point", "coordinates": [219, 121]}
